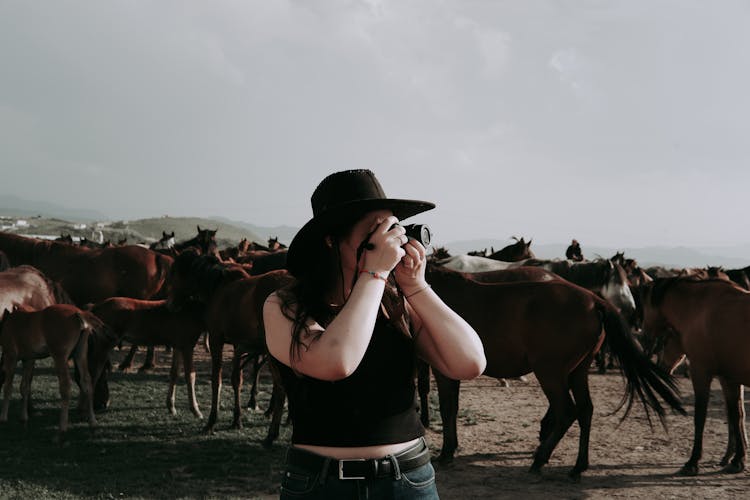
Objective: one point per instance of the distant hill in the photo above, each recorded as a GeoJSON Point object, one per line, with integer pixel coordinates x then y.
{"type": "Point", "coordinates": [141, 230]}
{"type": "Point", "coordinates": [728, 257]}
{"type": "Point", "coordinates": [283, 233]}
{"type": "Point", "coordinates": [13, 205]}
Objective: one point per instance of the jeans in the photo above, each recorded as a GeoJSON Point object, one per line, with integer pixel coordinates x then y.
{"type": "Point", "coordinates": [417, 483]}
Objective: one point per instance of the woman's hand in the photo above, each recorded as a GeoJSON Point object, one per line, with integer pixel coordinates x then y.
{"type": "Point", "coordinates": [410, 271]}
{"type": "Point", "coordinates": [386, 246]}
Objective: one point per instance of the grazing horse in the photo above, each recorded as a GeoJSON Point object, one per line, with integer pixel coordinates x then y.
{"type": "Point", "coordinates": [61, 331]}
{"type": "Point", "coordinates": [151, 323]}
{"type": "Point", "coordinates": [552, 328]}
{"type": "Point", "coordinates": [91, 275]}
{"type": "Point", "coordinates": [234, 315]}
{"type": "Point", "coordinates": [513, 253]}
{"type": "Point", "coordinates": [707, 321]}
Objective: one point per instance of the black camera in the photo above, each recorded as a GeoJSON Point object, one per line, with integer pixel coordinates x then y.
{"type": "Point", "coordinates": [419, 232]}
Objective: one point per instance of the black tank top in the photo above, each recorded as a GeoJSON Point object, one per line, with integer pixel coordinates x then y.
{"type": "Point", "coordinates": [374, 405]}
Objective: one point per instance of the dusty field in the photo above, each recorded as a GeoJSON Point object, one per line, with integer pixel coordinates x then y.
{"type": "Point", "coordinates": [500, 429]}
{"type": "Point", "coordinates": [139, 451]}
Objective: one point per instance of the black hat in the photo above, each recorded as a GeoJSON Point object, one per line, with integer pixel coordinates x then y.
{"type": "Point", "coordinates": [339, 198]}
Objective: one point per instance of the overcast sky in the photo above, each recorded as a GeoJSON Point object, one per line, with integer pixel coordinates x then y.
{"type": "Point", "coordinates": [617, 123]}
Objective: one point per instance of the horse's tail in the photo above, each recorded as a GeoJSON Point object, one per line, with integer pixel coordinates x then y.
{"type": "Point", "coordinates": [84, 338]}
{"type": "Point", "coordinates": [643, 377]}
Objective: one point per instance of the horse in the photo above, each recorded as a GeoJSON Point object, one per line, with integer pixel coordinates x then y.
{"type": "Point", "coordinates": [234, 315]}
{"type": "Point", "coordinates": [513, 253]}
{"type": "Point", "coordinates": [91, 275]}
{"type": "Point", "coordinates": [552, 328]}
{"type": "Point", "coordinates": [4, 262]}
{"type": "Point", "coordinates": [151, 323]}
{"type": "Point", "coordinates": [61, 331]}
{"type": "Point", "coordinates": [740, 276]}
{"type": "Point", "coordinates": [204, 242]}
{"type": "Point", "coordinates": [527, 273]}
{"type": "Point", "coordinates": [705, 320]}
{"type": "Point", "coordinates": [231, 254]}
{"type": "Point", "coordinates": [473, 263]}
{"type": "Point", "coordinates": [65, 238]}
{"type": "Point", "coordinates": [166, 242]}
{"type": "Point", "coordinates": [275, 245]}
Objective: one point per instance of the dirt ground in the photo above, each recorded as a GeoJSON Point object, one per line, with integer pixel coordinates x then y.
{"type": "Point", "coordinates": [498, 432]}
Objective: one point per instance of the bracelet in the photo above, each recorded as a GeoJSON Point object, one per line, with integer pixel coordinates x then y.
{"type": "Point", "coordinates": [419, 291]}
{"type": "Point", "coordinates": [374, 275]}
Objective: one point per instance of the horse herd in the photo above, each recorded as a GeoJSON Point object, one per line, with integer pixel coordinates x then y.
{"type": "Point", "coordinates": [549, 317]}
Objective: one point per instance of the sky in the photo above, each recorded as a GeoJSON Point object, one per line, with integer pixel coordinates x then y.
{"type": "Point", "coordinates": [618, 123]}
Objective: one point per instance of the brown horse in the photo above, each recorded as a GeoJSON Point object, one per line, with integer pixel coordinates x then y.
{"type": "Point", "coordinates": [204, 243]}
{"type": "Point", "coordinates": [91, 275]}
{"type": "Point", "coordinates": [524, 273]}
{"type": "Point", "coordinates": [705, 320]}
{"type": "Point", "coordinates": [553, 329]}
{"type": "Point", "coordinates": [520, 250]}
{"type": "Point", "coordinates": [234, 315]}
{"type": "Point", "coordinates": [61, 331]}
{"type": "Point", "coordinates": [151, 323]}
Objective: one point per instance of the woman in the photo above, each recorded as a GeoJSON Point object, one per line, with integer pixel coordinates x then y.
{"type": "Point", "coordinates": [345, 337]}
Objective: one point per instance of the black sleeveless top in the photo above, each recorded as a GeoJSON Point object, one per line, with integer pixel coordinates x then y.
{"type": "Point", "coordinates": [375, 405]}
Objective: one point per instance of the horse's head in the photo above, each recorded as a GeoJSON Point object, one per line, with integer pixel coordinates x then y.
{"type": "Point", "coordinates": [615, 286]}
{"type": "Point", "coordinates": [206, 241]}
{"type": "Point", "coordinates": [619, 258]}
{"type": "Point", "coordinates": [65, 238]}
{"type": "Point", "coordinates": [243, 245]}
{"type": "Point", "coordinates": [122, 242]}
{"type": "Point", "coordinates": [439, 253]}
{"type": "Point", "coordinates": [520, 250]}
{"type": "Point", "coordinates": [194, 277]}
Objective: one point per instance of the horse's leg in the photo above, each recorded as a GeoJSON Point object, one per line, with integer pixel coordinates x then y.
{"type": "Point", "coordinates": [148, 363]}
{"type": "Point", "coordinates": [28, 368]}
{"type": "Point", "coordinates": [733, 397]}
{"type": "Point", "coordinates": [216, 359]}
{"type": "Point", "coordinates": [173, 373]}
{"type": "Point", "coordinates": [237, 386]}
{"type": "Point", "coordinates": [423, 387]}
{"type": "Point", "coordinates": [563, 410]}
{"type": "Point", "coordinates": [9, 365]}
{"type": "Point", "coordinates": [252, 403]}
{"type": "Point", "coordinates": [206, 343]}
{"type": "Point", "coordinates": [448, 390]}
{"type": "Point", "coordinates": [546, 426]}
{"type": "Point", "coordinates": [86, 384]}
{"type": "Point", "coordinates": [276, 405]}
{"type": "Point", "coordinates": [187, 356]}
{"type": "Point", "coordinates": [579, 385]}
{"type": "Point", "coordinates": [63, 379]}
{"type": "Point", "coordinates": [701, 388]}
{"type": "Point", "coordinates": [127, 363]}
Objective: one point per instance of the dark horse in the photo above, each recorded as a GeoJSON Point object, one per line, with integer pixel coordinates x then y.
{"type": "Point", "coordinates": [520, 250]}
{"type": "Point", "coordinates": [151, 323]}
{"type": "Point", "coordinates": [204, 243]}
{"type": "Point", "coordinates": [234, 315]}
{"type": "Point", "coordinates": [4, 262]}
{"type": "Point", "coordinates": [707, 320]}
{"type": "Point", "coordinates": [91, 275]}
{"type": "Point", "coordinates": [552, 328]}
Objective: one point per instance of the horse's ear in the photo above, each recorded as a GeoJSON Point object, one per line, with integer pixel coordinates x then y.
{"type": "Point", "coordinates": [528, 244]}
{"type": "Point", "coordinates": [172, 235]}
{"type": "Point", "coordinates": [199, 228]}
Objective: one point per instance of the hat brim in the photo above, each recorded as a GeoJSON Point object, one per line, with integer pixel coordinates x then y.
{"type": "Point", "coordinates": [298, 256]}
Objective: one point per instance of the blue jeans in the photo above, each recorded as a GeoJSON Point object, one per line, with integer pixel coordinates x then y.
{"type": "Point", "coordinates": [417, 483]}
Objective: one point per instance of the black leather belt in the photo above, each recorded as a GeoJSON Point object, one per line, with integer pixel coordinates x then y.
{"type": "Point", "coordinates": [357, 468]}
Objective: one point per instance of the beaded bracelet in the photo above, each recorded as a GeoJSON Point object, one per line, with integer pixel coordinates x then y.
{"type": "Point", "coordinates": [419, 291]}
{"type": "Point", "coordinates": [374, 274]}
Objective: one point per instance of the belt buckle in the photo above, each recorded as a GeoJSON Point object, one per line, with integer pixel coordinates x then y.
{"type": "Point", "coordinates": [341, 468]}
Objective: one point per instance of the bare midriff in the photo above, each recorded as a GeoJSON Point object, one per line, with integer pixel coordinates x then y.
{"type": "Point", "coordinates": [349, 452]}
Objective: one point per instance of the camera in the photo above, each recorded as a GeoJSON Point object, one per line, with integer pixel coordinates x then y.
{"type": "Point", "coordinates": [419, 232]}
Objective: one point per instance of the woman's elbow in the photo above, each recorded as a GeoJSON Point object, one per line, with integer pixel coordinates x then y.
{"type": "Point", "coordinates": [469, 369]}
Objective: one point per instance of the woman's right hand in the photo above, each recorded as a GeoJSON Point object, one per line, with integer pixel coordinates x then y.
{"type": "Point", "coordinates": [387, 246]}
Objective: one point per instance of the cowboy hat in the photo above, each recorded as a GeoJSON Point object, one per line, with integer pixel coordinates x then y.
{"type": "Point", "coordinates": [340, 198]}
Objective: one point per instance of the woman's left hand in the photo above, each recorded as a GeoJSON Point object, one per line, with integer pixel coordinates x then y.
{"type": "Point", "coordinates": [409, 272]}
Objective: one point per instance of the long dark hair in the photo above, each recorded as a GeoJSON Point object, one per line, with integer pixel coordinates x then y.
{"type": "Point", "coordinates": [308, 296]}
